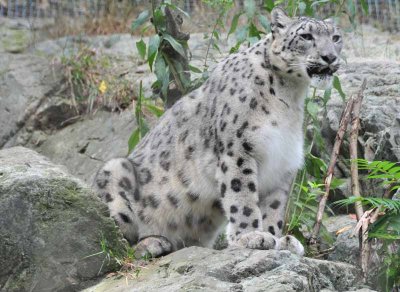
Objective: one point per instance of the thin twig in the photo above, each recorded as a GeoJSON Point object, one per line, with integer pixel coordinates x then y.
{"type": "Point", "coordinates": [355, 184]}
{"type": "Point", "coordinates": [335, 153]}
{"type": "Point", "coordinates": [210, 41]}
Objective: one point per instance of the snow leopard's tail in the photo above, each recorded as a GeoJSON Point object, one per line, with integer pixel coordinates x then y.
{"type": "Point", "coordinates": [116, 184]}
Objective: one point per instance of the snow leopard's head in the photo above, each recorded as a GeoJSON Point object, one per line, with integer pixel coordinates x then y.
{"type": "Point", "coordinates": [305, 48]}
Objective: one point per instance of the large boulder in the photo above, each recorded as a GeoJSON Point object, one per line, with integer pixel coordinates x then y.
{"type": "Point", "coordinates": [51, 225]}
{"type": "Point", "coordinates": [201, 269]}
{"type": "Point", "coordinates": [25, 81]}
{"type": "Point", "coordinates": [380, 117]}
{"type": "Point", "coordinates": [379, 134]}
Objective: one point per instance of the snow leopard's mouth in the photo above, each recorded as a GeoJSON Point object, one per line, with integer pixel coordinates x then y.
{"type": "Point", "coordinates": [320, 71]}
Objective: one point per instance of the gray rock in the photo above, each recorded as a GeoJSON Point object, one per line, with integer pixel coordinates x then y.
{"type": "Point", "coordinates": [346, 246]}
{"type": "Point", "coordinates": [25, 81]}
{"type": "Point", "coordinates": [201, 269]}
{"type": "Point", "coordinates": [50, 223]}
{"type": "Point", "coordinates": [85, 145]}
{"type": "Point", "coordinates": [380, 124]}
{"type": "Point", "coordinates": [379, 135]}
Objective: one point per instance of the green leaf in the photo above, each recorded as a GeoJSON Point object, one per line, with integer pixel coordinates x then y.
{"type": "Point", "coordinates": [142, 18]}
{"type": "Point", "coordinates": [338, 87]}
{"type": "Point", "coordinates": [316, 3]}
{"type": "Point", "coordinates": [133, 140]}
{"type": "Point", "coordinates": [315, 166]}
{"type": "Point", "coordinates": [141, 47]}
{"type": "Point", "coordinates": [160, 67]}
{"type": "Point", "coordinates": [364, 6]}
{"type": "Point", "coordinates": [264, 22]}
{"type": "Point", "coordinates": [312, 109]}
{"type": "Point", "coordinates": [253, 31]}
{"type": "Point", "coordinates": [351, 9]}
{"type": "Point", "coordinates": [175, 44]}
{"type": "Point", "coordinates": [195, 69]}
{"type": "Point", "coordinates": [250, 8]}
{"type": "Point", "coordinates": [216, 34]}
{"type": "Point", "coordinates": [155, 110]}
{"type": "Point", "coordinates": [234, 24]}
{"type": "Point", "coordinates": [215, 46]}
{"type": "Point", "coordinates": [336, 182]}
{"type": "Point", "coordinates": [241, 33]}
{"type": "Point", "coordinates": [159, 20]}
{"type": "Point", "coordinates": [162, 73]}
{"type": "Point", "coordinates": [235, 48]}
{"type": "Point", "coordinates": [173, 6]}
{"type": "Point", "coordinates": [154, 43]}
{"type": "Point", "coordinates": [302, 7]}
{"type": "Point", "coordinates": [327, 95]}
{"type": "Point", "coordinates": [269, 5]}
{"type": "Point", "coordinates": [383, 235]}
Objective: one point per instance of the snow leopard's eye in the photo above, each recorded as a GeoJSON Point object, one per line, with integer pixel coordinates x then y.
{"type": "Point", "coordinates": [307, 36]}
{"type": "Point", "coordinates": [336, 38]}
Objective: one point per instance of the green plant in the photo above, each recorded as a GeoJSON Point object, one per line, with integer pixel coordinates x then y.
{"type": "Point", "coordinates": [142, 127]}
{"type": "Point", "coordinates": [167, 51]}
{"type": "Point", "coordinates": [249, 33]}
{"type": "Point", "coordinates": [385, 228]}
{"type": "Point", "coordinates": [128, 264]}
{"type": "Point", "coordinates": [222, 6]}
{"type": "Point", "coordinates": [91, 80]}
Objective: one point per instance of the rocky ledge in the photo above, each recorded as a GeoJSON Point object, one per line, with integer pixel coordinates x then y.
{"type": "Point", "coordinates": [201, 269]}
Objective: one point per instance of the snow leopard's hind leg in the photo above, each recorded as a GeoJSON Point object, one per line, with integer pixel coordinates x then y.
{"type": "Point", "coordinates": [117, 185]}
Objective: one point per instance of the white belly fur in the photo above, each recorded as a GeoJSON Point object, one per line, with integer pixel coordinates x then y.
{"type": "Point", "coordinates": [280, 151]}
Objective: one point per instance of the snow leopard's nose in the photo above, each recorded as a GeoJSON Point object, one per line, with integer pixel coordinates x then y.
{"type": "Point", "coordinates": [329, 59]}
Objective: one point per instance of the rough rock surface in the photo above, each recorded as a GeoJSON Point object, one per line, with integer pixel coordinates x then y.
{"type": "Point", "coordinates": [49, 223]}
{"type": "Point", "coordinates": [201, 269]}
{"type": "Point", "coordinates": [379, 135]}
{"type": "Point", "coordinates": [346, 246]}
{"type": "Point", "coordinates": [25, 81]}
{"type": "Point", "coordinates": [84, 146]}
{"type": "Point", "coordinates": [380, 116]}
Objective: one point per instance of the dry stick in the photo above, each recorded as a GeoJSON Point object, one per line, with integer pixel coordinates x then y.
{"type": "Point", "coordinates": [355, 184]}
{"type": "Point", "coordinates": [355, 124]}
{"type": "Point", "coordinates": [335, 153]}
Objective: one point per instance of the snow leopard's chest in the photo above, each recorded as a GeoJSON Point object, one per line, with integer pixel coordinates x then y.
{"type": "Point", "coordinates": [280, 152]}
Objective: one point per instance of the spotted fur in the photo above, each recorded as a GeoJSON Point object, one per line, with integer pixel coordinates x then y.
{"type": "Point", "coordinates": [228, 152]}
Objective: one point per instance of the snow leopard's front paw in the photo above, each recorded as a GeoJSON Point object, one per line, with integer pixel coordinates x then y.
{"type": "Point", "coordinates": [291, 244]}
{"type": "Point", "coordinates": [153, 245]}
{"type": "Point", "coordinates": [256, 240]}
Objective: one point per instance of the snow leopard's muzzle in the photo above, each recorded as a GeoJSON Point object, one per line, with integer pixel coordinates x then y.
{"type": "Point", "coordinates": [321, 75]}
{"type": "Point", "coordinates": [319, 70]}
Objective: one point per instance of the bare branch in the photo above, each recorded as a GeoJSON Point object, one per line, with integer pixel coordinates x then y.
{"type": "Point", "coordinates": [355, 125]}
{"type": "Point", "coordinates": [335, 153]}
{"type": "Point", "coordinates": [355, 184]}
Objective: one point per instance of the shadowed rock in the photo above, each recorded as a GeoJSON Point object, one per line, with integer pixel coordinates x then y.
{"type": "Point", "coordinates": [50, 223]}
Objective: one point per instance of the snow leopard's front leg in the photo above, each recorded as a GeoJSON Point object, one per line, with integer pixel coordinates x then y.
{"type": "Point", "coordinates": [237, 177]}
{"type": "Point", "coordinates": [273, 207]}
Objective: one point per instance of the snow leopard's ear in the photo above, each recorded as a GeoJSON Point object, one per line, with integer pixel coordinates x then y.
{"type": "Point", "coordinates": [330, 21]}
{"type": "Point", "coordinates": [279, 19]}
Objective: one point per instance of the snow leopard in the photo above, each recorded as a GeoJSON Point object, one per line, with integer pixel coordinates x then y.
{"type": "Point", "coordinates": [225, 154]}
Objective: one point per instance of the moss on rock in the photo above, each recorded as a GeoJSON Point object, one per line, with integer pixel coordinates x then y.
{"type": "Point", "coordinates": [51, 226]}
